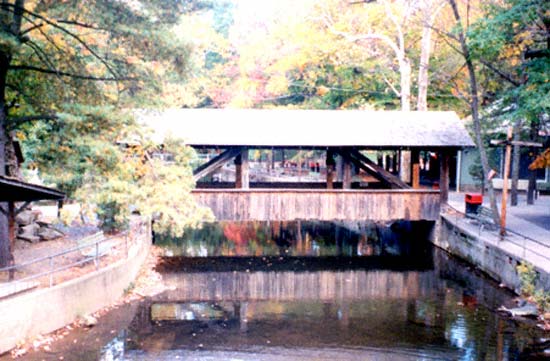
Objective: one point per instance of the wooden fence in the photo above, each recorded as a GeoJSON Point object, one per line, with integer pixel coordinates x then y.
{"type": "Point", "coordinates": [283, 205]}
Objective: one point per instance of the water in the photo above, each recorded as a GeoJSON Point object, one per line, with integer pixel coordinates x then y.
{"type": "Point", "coordinates": [311, 291]}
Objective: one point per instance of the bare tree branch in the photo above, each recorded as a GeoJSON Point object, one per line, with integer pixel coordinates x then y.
{"type": "Point", "coordinates": [79, 24]}
{"type": "Point", "coordinates": [32, 28]}
{"type": "Point", "coordinates": [506, 76]}
{"type": "Point", "coordinates": [75, 76]}
{"type": "Point", "coordinates": [19, 8]}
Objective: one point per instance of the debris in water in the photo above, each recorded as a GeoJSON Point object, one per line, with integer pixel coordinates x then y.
{"type": "Point", "coordinates": [529, 310]}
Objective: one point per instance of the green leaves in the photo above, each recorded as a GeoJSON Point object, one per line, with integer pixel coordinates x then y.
{"type": "Point", "coordinates": [505, 41]}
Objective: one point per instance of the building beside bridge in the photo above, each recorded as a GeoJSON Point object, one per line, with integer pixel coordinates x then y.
{"type": "Point", "coordinates": [366, 165]}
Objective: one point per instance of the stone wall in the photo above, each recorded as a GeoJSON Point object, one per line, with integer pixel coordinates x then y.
{"type": "Point", "coordinates": [485, 255]}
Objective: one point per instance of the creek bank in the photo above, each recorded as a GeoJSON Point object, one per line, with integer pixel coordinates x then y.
{"type": "Point", "coordinates": [497, 258]}
{"type": "Point", "coordinates": [29, 315]}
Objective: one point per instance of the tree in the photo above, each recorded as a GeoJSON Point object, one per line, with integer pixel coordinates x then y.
{"type": "Point", "coordinates": [474, 102]}
{"type": "Point", "coordinates": [64, 66]}
{"type": "Point", "coordinates": [391, 35]}
{"type": "Point", "coordinates": [513, 41]}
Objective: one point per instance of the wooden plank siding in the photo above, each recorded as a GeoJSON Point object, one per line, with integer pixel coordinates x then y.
{"type": "Point", "coordinates": [284, 205]}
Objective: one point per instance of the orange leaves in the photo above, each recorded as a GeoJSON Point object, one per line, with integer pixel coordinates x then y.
{"type": "Point", "coordinates": [542, 161]}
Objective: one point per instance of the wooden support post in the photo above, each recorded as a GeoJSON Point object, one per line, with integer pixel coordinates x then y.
{"type": "Point", "coordinates": [11, 233]}
{"type": "Point", "coordinates": [346, 177]}
{"type": "Point", "coordinates": [508, 143]}
{"type": "Point", "coordinates": [242, 177]}
{"type": "Point", "coordinates": [415, 169]}
{"type": "Point", "coordinates": [380, 159]}
{"type": "Point", "coordinates": [444, 176]}
{"type": "Point", "coordinates": [405, 166]}
{"type": "Point", "coordinates": [11, 223]}
{"type": "Point", "coordinates": [503, 203]}
{"type": "Point", "coordinates": [215, 163]}
{"type": "Point", "coordinates": [331, 165]}
{"type": "Point", "coordinates": [354, 156]}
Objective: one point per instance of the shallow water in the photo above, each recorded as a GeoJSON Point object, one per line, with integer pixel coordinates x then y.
{"type": "Point", "coordinates": [311, 291]}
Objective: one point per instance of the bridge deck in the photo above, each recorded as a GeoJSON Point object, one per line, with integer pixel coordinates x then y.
{"type": "Point", "coordinates": [315, 204]}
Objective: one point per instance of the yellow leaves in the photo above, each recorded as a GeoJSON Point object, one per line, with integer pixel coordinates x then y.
{"type": "Point", "coordinates": [132, 59]}
{"type": "Point", "coordinates": [21, 136]}
{"type": "Point", "coordinates": [277, 84]}
{"type": "Point", "coordinates": [322, 90]}
{"type": "Point", "coordinates": [64, 149]}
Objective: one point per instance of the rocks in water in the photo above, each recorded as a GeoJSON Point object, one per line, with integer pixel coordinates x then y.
{"type": "Point", "coordinates": [89, 321]}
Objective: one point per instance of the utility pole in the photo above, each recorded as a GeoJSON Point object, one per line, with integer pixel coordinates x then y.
{"type": "Point", "coordinates": [508, 143]}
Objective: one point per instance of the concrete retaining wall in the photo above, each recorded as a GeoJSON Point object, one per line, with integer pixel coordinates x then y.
{"type": "Point", "coordinates": [46, 310]}
{"type": "Point", "coordinates": [496, 262]}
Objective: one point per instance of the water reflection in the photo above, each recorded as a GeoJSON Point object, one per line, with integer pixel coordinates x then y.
{"type": "Point", "coordinates": [373, 292]}
{"type": "Point", "coordinates": [298, 238]}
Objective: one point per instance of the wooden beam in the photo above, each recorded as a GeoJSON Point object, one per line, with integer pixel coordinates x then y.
{"type": "Point", "coordinates": [372, 168]}
{"type": "Point", "coordinates": [405, 166]}
{"type": "Point", "coordinates": [415, 169]}
{"type": "Point", "coordinates": [215, 163]}
{"type": "Point", "coordinates": [242, 177]}
{"type": "Point", "coordinates": [504, 201]}
{"type": "Point", "coordinates": [11, 232]}
{"type": "Point", "coordinates": [331, 167]}
{"type": "Point", "coordinates": [520, 143]}
{"type": "Point", "coordinates": [346, 177]}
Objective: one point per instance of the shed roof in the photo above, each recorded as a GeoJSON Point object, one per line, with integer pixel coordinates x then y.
{"type": "Point", "coordinates": [308, 128]}
{"type": "Point", "coordinates": [13, 190]}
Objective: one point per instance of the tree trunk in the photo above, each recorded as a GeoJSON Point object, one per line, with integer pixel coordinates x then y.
{"type": "Point", "coordinates": [405, 71]}
{"type": "Point", "coordinates": [425, 50]}
{"type": "Point", "coordinates": [515, 165]}
{"type": "Point", "coordinates": [474, 105]}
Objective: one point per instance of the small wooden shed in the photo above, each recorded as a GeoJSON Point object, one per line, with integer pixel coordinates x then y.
{"type": "Point", "coordinates": [11, 191]}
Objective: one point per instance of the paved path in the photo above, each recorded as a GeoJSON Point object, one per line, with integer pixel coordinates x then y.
{"type": "Point", "coordinates": [532, 221]}
{"type": "Point", "coordinates": [529, 228]}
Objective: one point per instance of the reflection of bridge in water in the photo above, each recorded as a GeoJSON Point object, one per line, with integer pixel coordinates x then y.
{"type": "Point", "coordinates": [303, 286]}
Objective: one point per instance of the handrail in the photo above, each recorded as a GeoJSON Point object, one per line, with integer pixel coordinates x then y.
{"type": "Point", "coordinates": [95, 257]}
{"type": "Point", "coordinates": [523, 245]}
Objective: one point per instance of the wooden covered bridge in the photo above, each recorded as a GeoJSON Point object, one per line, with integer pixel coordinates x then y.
{"type": "Point", "coordinates": [366, 165]}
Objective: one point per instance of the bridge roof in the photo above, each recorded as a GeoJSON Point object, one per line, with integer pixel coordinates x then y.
{"type": "Point", "coordinates": [308, 128]}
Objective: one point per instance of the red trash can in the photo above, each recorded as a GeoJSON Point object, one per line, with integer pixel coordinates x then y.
{"type": "Point", "coordinates": [473, 202]}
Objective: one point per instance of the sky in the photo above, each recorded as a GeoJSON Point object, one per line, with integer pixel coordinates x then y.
{"type": "Point", "coordinates": [254, 15]}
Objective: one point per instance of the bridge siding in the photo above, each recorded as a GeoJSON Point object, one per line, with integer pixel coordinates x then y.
{"type": "Point", "coordinates": [267, 204]}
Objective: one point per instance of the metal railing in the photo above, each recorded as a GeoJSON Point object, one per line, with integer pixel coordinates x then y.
{"type": "Point", "coordinates": [523, 243]}
{"type": "Point", "coordinates": [52, 266]}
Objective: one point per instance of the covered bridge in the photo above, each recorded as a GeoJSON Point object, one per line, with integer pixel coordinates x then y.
{"type": "Point", "coordinates": [362, 165]}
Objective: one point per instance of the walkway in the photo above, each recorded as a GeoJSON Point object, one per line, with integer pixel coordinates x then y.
{"type": "Point", "coordinates": [528, 229]}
